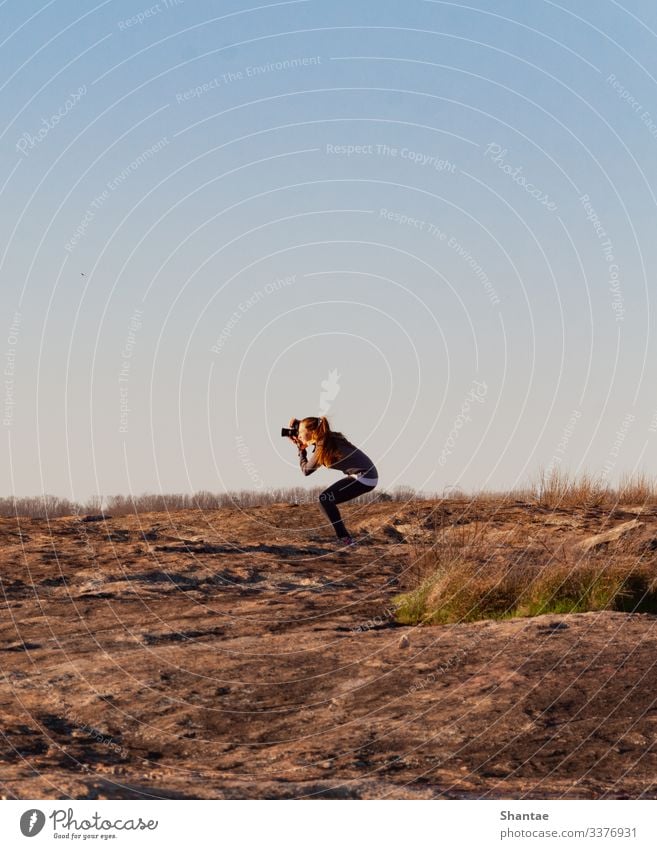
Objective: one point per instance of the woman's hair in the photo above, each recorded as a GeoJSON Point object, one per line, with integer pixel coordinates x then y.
{"type": "Point", "coordinates": [330, 444]}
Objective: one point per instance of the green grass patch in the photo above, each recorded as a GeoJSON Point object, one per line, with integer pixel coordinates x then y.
{"type": "Point", "coordinates": [462, 590]}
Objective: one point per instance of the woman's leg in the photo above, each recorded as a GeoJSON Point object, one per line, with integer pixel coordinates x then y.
{"type": "Point", "coordinates": [343, 490]}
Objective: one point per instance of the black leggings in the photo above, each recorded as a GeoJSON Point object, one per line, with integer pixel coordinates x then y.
{"type": "Point", "coordinates": [343, 490]}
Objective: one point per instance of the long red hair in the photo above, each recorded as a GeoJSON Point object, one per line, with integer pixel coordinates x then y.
{"type": "Point", "coordinates": [329, 444]}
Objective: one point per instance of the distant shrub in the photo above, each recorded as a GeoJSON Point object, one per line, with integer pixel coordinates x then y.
{"type": "Point", "coordinates": [51, 506]}
{"type": "Point", "coordinates": [551, 490]}
{"type": "Point", "coordinates": [38, 506]}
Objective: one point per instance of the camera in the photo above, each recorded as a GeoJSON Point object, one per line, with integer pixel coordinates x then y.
{"type": "Point", "coordinates": [291, 431]}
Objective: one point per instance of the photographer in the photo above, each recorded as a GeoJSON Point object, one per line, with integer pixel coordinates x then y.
{"type": "Point", "coordinates": [333, 450]}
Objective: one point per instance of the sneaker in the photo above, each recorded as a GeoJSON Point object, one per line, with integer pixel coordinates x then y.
{"type": "Point", "coordinates": [345, 542]}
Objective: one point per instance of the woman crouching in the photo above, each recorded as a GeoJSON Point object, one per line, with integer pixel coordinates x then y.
{"type": "Point", "coordinates": [333, 450]}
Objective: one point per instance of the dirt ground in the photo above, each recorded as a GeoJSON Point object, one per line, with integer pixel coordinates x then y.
{"type": "Point", "coordinates": [238, 654]}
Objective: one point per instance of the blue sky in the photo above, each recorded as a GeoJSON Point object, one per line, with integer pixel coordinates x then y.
{"type": "Point", "coordinates": [210, 211]}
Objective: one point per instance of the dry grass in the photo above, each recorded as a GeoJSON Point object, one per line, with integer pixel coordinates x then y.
{"type": "Point", "coordinates": [559, 489]}
{"type": "Point", "coordinates": [637, 489]}
{"type": "Point", "coordinates": [469, 575]}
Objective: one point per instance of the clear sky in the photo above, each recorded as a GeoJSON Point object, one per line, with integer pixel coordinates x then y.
{"type": "Point", "coordinates": [433, 222]}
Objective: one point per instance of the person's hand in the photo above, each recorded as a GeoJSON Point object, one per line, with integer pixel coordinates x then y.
{"type": "Point", "coordinates": [297, 441]}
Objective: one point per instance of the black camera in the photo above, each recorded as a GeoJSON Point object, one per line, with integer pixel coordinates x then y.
{"type": "Point", "coordinates": [291, 431]}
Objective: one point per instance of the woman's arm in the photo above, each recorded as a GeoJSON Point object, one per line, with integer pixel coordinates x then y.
{"type": "Point", "coordinates": [308, 466]}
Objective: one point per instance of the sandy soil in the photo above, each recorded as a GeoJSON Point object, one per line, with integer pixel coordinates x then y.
{"type": "Point", "coordinates": [237, 654]}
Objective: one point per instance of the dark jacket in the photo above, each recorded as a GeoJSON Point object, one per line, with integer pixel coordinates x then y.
{"type": "Point", "coordinates": [352, 461]}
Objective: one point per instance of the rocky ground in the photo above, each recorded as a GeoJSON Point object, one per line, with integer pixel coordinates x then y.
{"type": "Point", "coordinates": [237, 654]}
